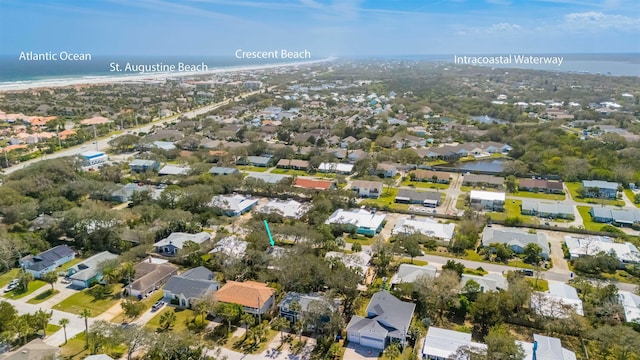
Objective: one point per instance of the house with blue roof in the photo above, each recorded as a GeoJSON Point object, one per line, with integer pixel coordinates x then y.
{"type": "Point", "coordinates": [47, 261]}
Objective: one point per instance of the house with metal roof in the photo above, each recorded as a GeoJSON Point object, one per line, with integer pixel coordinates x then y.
{"type": "Point", "coordinates": [483, 180]}
{"type": "Point", "coordinates": [221, 170]}
{"type": "Point", "coordinates": [516, 239]}
{"type": "Point", "coordinates": [488, 282]}
{"type": "Point", "coordinates": [193, 285]}
{"type": "Point", "coordinates": [488, 200]}
{"type": "Point", "coordinates": [424, 226]}
{"type": "Point", "coordinates": [288, 208]}
{"type": "Point", "coordinates": [441, 344]}
{"type": "Point", "coordinates": [552, 210]}
{"type": "Point", "coordinates": [47, 261]}
{"type": "Point", "coordinates": [388, 320]}
{"type": "Point", "coordinates": [365, 222]}
{"type": "Point", "coordinates": [269, 178]}
{"type": "Point", "coordinates": [142, 165]}
{"type": "Point", "coordinates": [258, 161]}
{"type": "Point", "coordinates": [600, 189]}
{"type": "Point", "coordinates": [631, 304]}
{"type": "Point", "coordinates": [233, 205]}
{"type": "Point", "coordinates": [171, 245]}
{"type": "Point", "coordinates": [545, 348]}
{"type": "Point", "coordinates": [89, 272]}
{"type": "Point", "coordinates": [408, 273]}
{"type": "Point", "coordinates": [335, 168]}
{"type": "Point", "coordinates": [426, 198]}
{"type": "Point", "coordinates": [580, 246]}
{"type": "Point", "coordinates": [557, 302]}
{"type": "Point", "coordinates": [616, 216]}
{"type": "Point", "coordinates": [174, 170]}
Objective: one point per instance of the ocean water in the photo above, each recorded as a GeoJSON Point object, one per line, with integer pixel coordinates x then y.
{"type": "Point", "coordinates": [14, 70]}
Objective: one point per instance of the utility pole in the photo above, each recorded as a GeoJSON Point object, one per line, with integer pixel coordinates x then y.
{"type": "Point", "coordinates": [259, 314]}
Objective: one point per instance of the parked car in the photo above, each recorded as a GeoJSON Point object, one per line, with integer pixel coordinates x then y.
{"type": "Point", "coordinates": [11, 287]}
{"type": "Point", "coordinates": [65, 280]}
{"type": "Point", "coordinates": [527, 272]}
{"type": "Point", "coordinates": [157, 305]}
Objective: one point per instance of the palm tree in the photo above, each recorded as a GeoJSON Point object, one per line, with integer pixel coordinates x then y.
{"type": "Point", "coordinates": [280, 324]}
{"type": "Point", "coordinates": [85, 314]}
{"type": "Point", "coordinates": [64, 322]}
{"type": "Point", "coordinates": [248, 320]}
{"type": "Point", "coordinates": [200, 309]}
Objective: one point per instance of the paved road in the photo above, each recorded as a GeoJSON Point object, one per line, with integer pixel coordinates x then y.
{"type": "Point", "coordinates": [103, 143]}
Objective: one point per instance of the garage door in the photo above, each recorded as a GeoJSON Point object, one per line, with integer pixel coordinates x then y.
{"type": "Point", "coordinates": [373, 343]}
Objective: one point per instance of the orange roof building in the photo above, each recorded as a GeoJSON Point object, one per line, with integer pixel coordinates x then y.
{"type": "Point", "coordinates": [314, 184]}
{"type": "Point", "coordinates": [96, 120]}
{"type": "Point", "coordinates": [40, 120]}
{"type": "Point", "coordinates": [254, 297]}
{"type": "Point", "coordinates": [64, 134]}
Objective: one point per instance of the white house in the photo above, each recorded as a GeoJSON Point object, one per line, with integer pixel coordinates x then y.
{"type": "Point", "coordinates": [171, 245]}
{"type": "Point", "coordinates": [88, 272]}
{"type": "Point", "coordinates": [367, 189]}
{"type": "Point", "coordinates": [424, 226]}
{"type": "Point", "coordinates": [366, 223]}
{"type": "Point", "coordinates": [359, 260]}
{"type": "Point", "coordinates": [93, 158]}
{"type": "Point", "coordinates": [557, 302]}
{"type": "Point", "coordinates": [580, 246]}
{"type": "Point", "coordinates": [631, 304]}
{"type": "Point", "coordinates": [408, 273]}
{"type": "Point", "coordinates": [47, 261]}
{"type": "Point", "coordinates": [233, 205]}
{"type": "Point", "coordinates": [516, 239]}
{"type": "Point", "coordinates": [231, 246]}
{"type": "Point", "coordinates": [488, 200]}
{"type": "Point", "coordinates": [441, 344]}
{"type": "Point", "coordinates": [337, 168]}
{"type": "Point", "coordinates": [287, 208]}
{"type": "Point", "coordinates": [488, 282]}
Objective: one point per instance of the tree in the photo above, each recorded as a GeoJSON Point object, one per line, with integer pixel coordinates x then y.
{"type": "Point", "coordinates": [356, 247]}
{"type": "Point", "coordinates": [454, 266]}
{"type": "Point", "coordinates": [64, 322]}
{"type": "Point", "coordinates": [617, 342]}
{"type": "Point", "coordinates": [248, 320]}
{"type": "Point", "coordinates": [511, 183]}
{"type": "Point", "coordinates": [485, 312]}
{"type": "Point", "coordinates": [132, 308]}
{"type": "Point", "coordinates": [636, 198]}
{"type": "Point", "coordinates": [439, 294]}
{"type": "Point", "coordinates": [85, 314]}
{"type": "Point", "coordinates": [411, 247]}
{"type": "Point", "coordinates": [393, 351]}
{"type": "Point", "coordinates": [501, 345]}
{"type": "Point", "coordinates": [532, 253]}
{"type": "Point", "coordinates": [280, 324]}
{"type": "Point", "coordinates": [50, 278]}
{"type": "Point", "coordinates": [40, 319]}
{"type": "Point", "coordinates": [134, 338]}
{"type": "Point", "coordinates": [200, 309]}
{"type": "Point", "coordinates": [167, 320]}
{"type": "Point", "coordinates": [229, 312]}
{"type": "Point", "coordinates": [25, 278]}
{"type": "Point", "coordinates": [8, 314]}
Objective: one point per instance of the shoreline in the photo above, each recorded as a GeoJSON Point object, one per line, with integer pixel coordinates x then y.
{"type": "Point", "coordinates": [107, 79]}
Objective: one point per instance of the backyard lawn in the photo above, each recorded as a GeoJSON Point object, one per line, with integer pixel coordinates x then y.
{"type": "Point", "coordinates": [33, 286]}
{"type": "Point", "coordinates": [252, 168]}
{"type": "Point", "coordinates": [8, 276]}
{"type": "Point", "coordinates": [573, 189]}
{"type": "Point", "coordinates": [537, 195]}
{"type": "Point", "coordinates": [424, 185]}
{"type": "Point", "coordinates": [291, 172]}
{"type": "Point", "coordinates": [512, 210]}
{"type": "Point", "coordinates": [183, 316]}
{"type": "Point", "coordinates": [587, 221]}
{"type": "Point", "coordinates": [83, 300]}
{"type": "Point", "coordinates": [386, 200]}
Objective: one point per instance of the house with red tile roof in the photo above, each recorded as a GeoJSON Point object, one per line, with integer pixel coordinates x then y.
{"type": "Point", "coordinates": [254, 297]}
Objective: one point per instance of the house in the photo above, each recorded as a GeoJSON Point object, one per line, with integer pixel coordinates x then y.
{"type": "Point", "coordinates": [487, 200]}
{"type": "Point", "coordinates": [600, 189]}
{"type": "Point", "coordinates": [483, 181]}
{"type": "Point", "coordinates": [174, 170]}
{"type": "Point", "coordinates": [424, 226]}
{"type": "Point", "coordinates": [631, 304]}
{"type": "Point", "coordinates": [123, 193]}
{"type": "Point", "coordinates": [314, 184]}
{"type": "Point", "coordinates": [34, 350]}
{"type": "Point", "coordinates": [516, 239]}
{"type": "Point", "coordinates": [93, 158]}
{"type": "Point", "coordinates": [431, 176]}
{"type": "Point", "coordinates": [540, 185]}
{"type": "Point", "coordinates": [141, 165]}
{"type": "Point", "coordinates": [150, 275]}
{"type": "Point", "coordinates": [386, 170]}
{"type": "Point", "coordinates": [442, 344]}
{"type": "Point", "coordinates": [367, 189]}
{"type": "Point", "coordinates": [231, 246]}
{"type": "Point", "coordinates": [254, 297]}
{"type": "Point", "coordinates": [306, 302]}
{"type": "Point", "coordinates": [220, 170]}
{"type": "Point", "coordinates": [268, 178]}
{"type": "Point", "coordinates": [233, 205]}
{"type": "Point", "coordinates": [408, 273]}
{"type": "Point", "coordinates": [616, 216]}
{"type": "Point", "coordinates": [388, 320]}
{"type": "Point", "coordinates": [288, 208]}
{"type": "Point", "coordinates": [580, 246]}
{"type": "Point", "coordinates": [556, 210]}
{"type": "Point", "coordinates": [365, 222]}
{"type": "Point", "coordinates": [557, 302]}
{"type": "Point", "coordinates": [89, 272]}
{"type": "Point", "coordinates": [293, 164]}
{"type": "Point", "coordinates": [426, 198]}
{"type": "Point", "coordinates": [188, 288]}
{"type": "Point", "coordinates": [336, 168]}
{"type": "Point", "coordinates": [163, 145]}
{"type": "Point", "coordinates": [357, 261]}
{"type": "Point", "coordinates": [545, 348]}
{"type": "Point", "coordinates": [171, 245]}
{"type": "Point", "coordinates": [47, 261]}
{"type": "Point", "coordinates": [258, 161]}
{"type": "Point", "coordinates": [488, 282]}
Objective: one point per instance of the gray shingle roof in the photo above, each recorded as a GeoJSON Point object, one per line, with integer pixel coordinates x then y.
{"type": "Point", "coordinates": [390, 311]}
{"type": "Point", "coordinates": [190, 288]}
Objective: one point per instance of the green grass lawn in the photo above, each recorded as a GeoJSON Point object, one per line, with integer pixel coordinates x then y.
{"type": "Point", "coordinates": [183, 316]}
{"type": "Point", "coordinates": [18, 294]}
{"type": "Point", "coordinates": [291, 172]}
{"type": "Point", "coordinates": [587, 221]}
{"type": "Point", "coordinates": [387, 199]}
{"type": "Point", "coordinates": [148, 303]}
{"type": "Point", "coordinates": [74, 349]}
{"type": "Point", "coordinates": [51, 328]}
{"type": "Point", "coordinates": [631, 196]}
{"type": "Point", "coordinates": [83, 300]}
{"type": "Point", "coordinates": [43, 296]}
{"type": "Point", "coordinates": [573, 190]}
{"type": "Point", "coordinates": [252, 168]}
{"type": "Point", "coordinates": [405, 260]}
{"type": "Point", "coordinates": [622, 276]}
{"type": "Point", "coordinates": [537, 195]}
{"type": "Point", "coordinates": [68, 265]}
{"type": "Point", "coordinates": [361, 239]}
{"type": "Point", "coordinates": [469, 255]}
{"type": "Point", "coordinates": [469, 188]}
{"type": "Point", "coordinates": [512, 210]}
{"type": "Point", "coordinates": [424, 185]}
{"type": "Point", "coordinates": [460, 203]}
{"type": "Point", "coordinates": [539, 285]}
{"type": "Point", "coordinates": [6, 277]}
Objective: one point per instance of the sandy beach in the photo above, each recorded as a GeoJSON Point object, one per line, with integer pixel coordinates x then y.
{"type": "Point", "coordinates": [95, 80]}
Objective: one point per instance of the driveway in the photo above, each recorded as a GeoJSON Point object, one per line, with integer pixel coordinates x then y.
{"type": "Point", "coordinates": [357, 352]}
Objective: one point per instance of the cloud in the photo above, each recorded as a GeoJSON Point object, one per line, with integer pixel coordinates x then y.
{"type": "Point", "coordinates": [597, 20]}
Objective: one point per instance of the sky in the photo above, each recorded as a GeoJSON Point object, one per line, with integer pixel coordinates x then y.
{"type": "Point", "coordinates": [343, 28]}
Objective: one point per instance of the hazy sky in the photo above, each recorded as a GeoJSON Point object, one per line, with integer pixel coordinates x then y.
{"type": "Point", "coordinates": [324, 27]}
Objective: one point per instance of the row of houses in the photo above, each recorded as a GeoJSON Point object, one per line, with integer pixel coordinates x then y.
{"type": "Point", "coordinates": [616, 216]}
